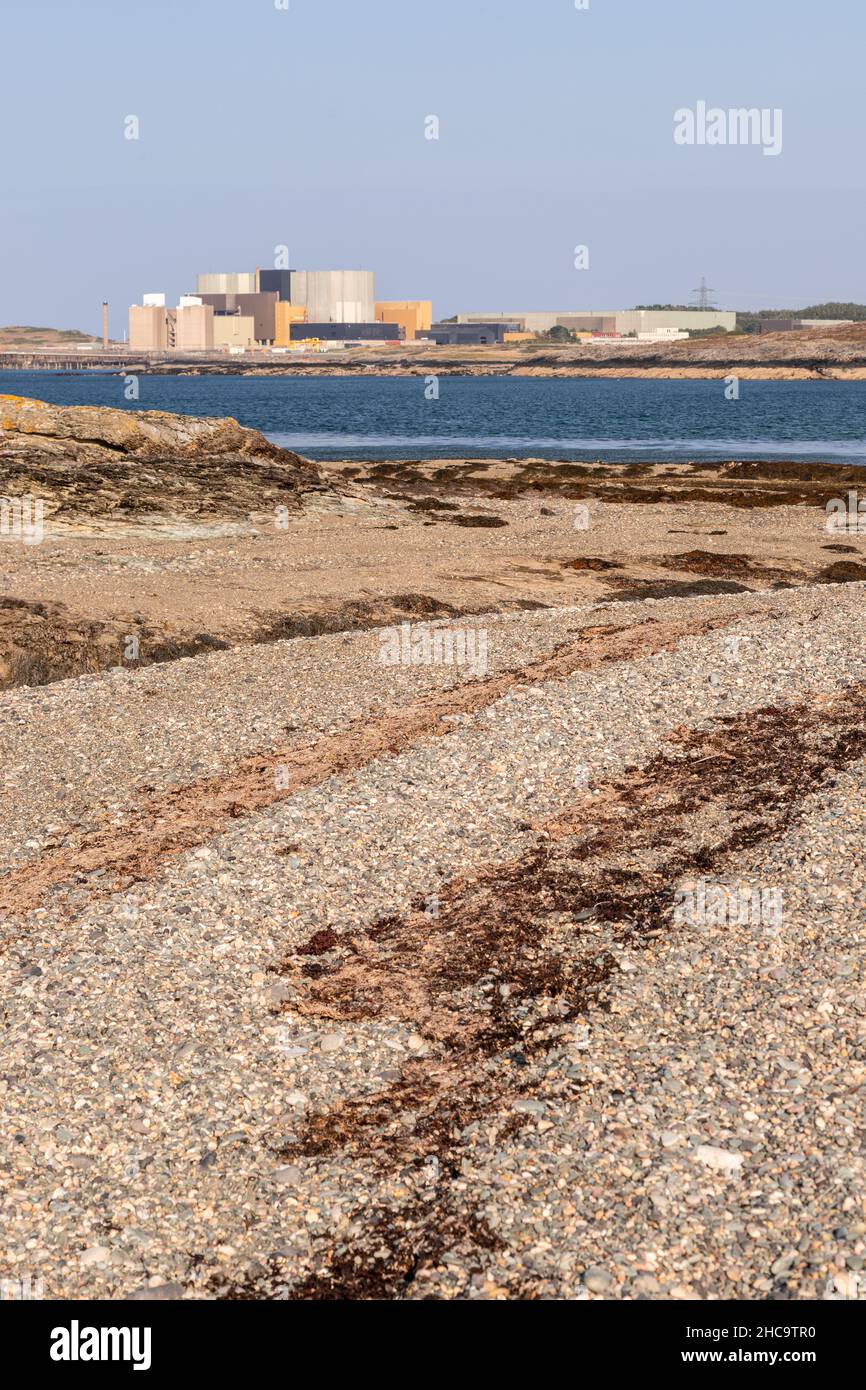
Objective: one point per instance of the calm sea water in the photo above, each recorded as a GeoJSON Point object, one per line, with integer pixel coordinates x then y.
{"type": "Point", "coordinates": [390, 417]}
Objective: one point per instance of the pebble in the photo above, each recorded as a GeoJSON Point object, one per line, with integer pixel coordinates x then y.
{"type": "Point", "coordinates": [288, 1176]}
{"type": "Point", "coordinates": [156, 1293]}
{"type": "Point", "coordinates": [721, 1159]}
{"type": "Point", "coordinates": [95, 1255]}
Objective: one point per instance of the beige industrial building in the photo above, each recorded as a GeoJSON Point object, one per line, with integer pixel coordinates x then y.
{"type": "Point", "coordinates": [154, 328]}
{"type": "Point", "coordinates": [414, 316]}
{"type": "Point", "coordinates": [260, 307]}
{"type": "Point", "coordinates": [286, 315]}
{"type": "Point", "coordinates": [685, 320]}
{"type": "Point", "coordinates": [148, 327]}
{"type": "Point", "coordinates": [193, 330]}
{"type": "Point", "coordinates": [234, 330]}
{"type": "Point", "coordinates": [587, 323]}
{"type": "Point", "coordinates": [228, 282]}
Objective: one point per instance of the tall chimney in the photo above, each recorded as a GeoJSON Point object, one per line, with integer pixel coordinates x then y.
{"type": "Point", "coordinates": [105, 324]}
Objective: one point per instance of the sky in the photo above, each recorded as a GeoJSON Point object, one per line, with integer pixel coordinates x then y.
{"type": "Point", "coordinates": [261, 126]}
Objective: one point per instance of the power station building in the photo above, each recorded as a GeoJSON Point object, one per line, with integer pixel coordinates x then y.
{"type": "Point", "coordinates": [277, 282]}
{"type": "Point", "coordinates": [335, 296]}
{"type": "Point", "coordinates": [283, 306]}
{"type": "Point", "coordinates": [329, 296]}
{"type": "Point", "coordinates": [155, 328]}
{"type": "Point", "coordinates": [347, 332]}
{"type": "Point", "coordinates": [193, 324]}
{"type": "Point", "coordinates": [261, 308]}
{"type": "Point", "coordinates": [468, 334]}
{"type": "Point", "coordinates": [148, 325]}
{"type": "Point", "coordinates": [287, 317]}
{"type": "Point", "coordinates": [227, 282]}
{"type": "Point", "coordinates": [412, 316]}
{"type": "Point", "coordinates": [613, 321]}
{"type": "Point", "coordinates": [234, 331]}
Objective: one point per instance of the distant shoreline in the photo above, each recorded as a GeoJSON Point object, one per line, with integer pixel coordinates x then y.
{"type": "Point", "coordinates": [836, 354]}
{"type": "Point", "coordinates": [591, 371]}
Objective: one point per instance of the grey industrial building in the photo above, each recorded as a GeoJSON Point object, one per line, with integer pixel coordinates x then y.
{"type": "Point", "coordinates": [329, 296]}
{"type": "Point", "coordinates": [622, 321]}
{"type": "Point", "coordinates": [278, 282]}
{"type": "Point", "coordinates": [335, 296]}
{"type": "Point", "coordinates": [468, 334]}
{"type": "Point", "coordinates": [789, 325]}
{"type": "Point", "coordinates": [348, 332]}
{"type": "Point", "coordinates": [262, 308]}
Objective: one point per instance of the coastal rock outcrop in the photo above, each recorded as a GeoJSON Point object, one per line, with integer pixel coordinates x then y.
{"type": "Point", "coordinates": [96, 462]}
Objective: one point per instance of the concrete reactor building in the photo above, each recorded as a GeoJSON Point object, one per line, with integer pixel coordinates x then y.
{"type": "Point", "coordinates": [226, 282]}
{"type": "Point", "coordinates": [335, 296]}
{"type": "Point", "coordinates": [339, 297]}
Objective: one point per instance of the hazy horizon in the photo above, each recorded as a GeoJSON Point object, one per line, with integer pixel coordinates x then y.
{"type": "Point", "coordinates": [306, 127]}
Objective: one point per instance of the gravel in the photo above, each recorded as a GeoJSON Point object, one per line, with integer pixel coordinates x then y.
{"type": "Point", "coordinates": [700, 1137]}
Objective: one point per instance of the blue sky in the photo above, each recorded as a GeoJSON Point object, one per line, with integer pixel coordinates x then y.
{"type": "Point", "coordinates": [261, 126]}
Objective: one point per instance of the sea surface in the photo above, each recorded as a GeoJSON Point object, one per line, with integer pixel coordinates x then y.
{"type": "Point", "coordinates": [513, 417]}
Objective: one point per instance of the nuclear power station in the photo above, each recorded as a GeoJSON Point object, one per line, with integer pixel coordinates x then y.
{"type": "Point", "coordinates": [280, 310]}
{"type": "Point", "coordinates": [277, 309]}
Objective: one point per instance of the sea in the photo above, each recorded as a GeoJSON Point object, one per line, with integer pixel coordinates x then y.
{"type": "Point", "coordinates": [384, 418]}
